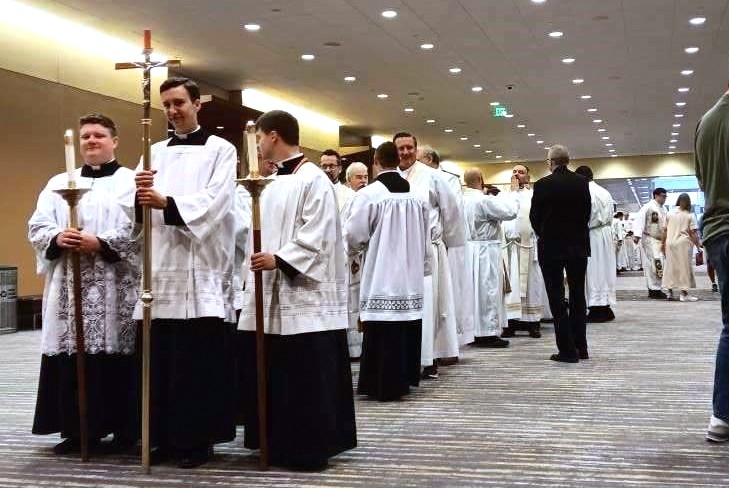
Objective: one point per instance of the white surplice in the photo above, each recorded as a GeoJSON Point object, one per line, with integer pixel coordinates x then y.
{"type": "Point", "coordinates": [393, 229]}
{"type": "Point", "coordinates": [109, 290]}
{"type": "Point", "coordinates": [353, 276]}
{"type": "Point", "coordinates": [243, 215]}
{"type": "Point", "coordinates": [460, 277]}
{"type": "Point", "coordinates": [525, 302]}
{"type": "Point", "coordinates": [600, 275]}
{"type": "Point", "coordinates": [301, 226]}
{"type": "Point", "coordinates": [192, 264]}
{"type": "Point", "coordinates": [343, 193]}
{"type": "Point", "coordinates": [484, 214]}
{"type": "Point", "coordinates": [649, 225]}
{"type": "Point", "coordinates": [445, 220]}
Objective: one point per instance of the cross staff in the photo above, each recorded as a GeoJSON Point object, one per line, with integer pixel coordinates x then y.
{"type": "Point", "coordinates": [146, 66]}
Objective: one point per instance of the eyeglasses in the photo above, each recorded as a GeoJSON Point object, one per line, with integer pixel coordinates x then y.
{"type": "Point", "coordinates": [328, 167]}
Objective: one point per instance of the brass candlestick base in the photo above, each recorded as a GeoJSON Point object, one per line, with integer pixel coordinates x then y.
{"type": "Point", "coordinates": [72, 196]}
{"type": "Point", "coordinates": [255, 184]}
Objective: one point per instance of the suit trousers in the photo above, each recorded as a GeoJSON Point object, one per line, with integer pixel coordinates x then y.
{"type": "Point", "coordinates": [569, 320]}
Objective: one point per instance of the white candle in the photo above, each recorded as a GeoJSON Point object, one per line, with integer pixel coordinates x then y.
{"type": "Point", "coordinates": [252, 145]}
{"type": "Point", "coordinates": [70, 157]}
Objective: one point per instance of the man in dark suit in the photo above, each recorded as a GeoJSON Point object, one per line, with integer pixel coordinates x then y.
{"type": "Point", "coordinates": [559, 215]}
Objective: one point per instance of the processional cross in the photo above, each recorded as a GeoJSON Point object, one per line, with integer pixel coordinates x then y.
{"type": "Point", "coordinates": [146, 66]}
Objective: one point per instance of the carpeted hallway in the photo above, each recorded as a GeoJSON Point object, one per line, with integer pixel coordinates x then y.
{"type": "Point", "coordinates": [632, 415]}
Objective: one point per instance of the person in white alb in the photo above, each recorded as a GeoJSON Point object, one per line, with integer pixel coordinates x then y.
{"type": "Point", "coordinates": [600, 276]}
{"type": "Point", "coordinates": [445, 217]}
{"type": "Point", "coordinates": [648, 229]}
{"type": "Point", "coordinates": [484, 214]}
{"type": "Point", "coordinates": [331, 163]}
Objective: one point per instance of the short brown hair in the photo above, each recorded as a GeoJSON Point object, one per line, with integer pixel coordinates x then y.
{"type": "Point", "coordinates": [100, 119]}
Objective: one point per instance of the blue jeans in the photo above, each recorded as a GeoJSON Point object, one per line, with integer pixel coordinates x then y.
{"type": "Point", "coordinates": [718, 252]}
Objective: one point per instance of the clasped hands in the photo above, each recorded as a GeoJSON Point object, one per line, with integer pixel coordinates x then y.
{"type": "Point", "coordinates": [78, 240]}
{"type": "Point", "coordinates": [146, 194]}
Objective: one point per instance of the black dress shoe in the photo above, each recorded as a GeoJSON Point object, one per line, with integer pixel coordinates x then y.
{"type": "Point", "coordinates": [491, 341]}
{"type": "Point", "coordinates": [534, 331]}
{"type": "Point", "coordinates": [430, 373]}
{"type": "Point", "coordinates": [507, 332]}
{"type": "Point", "coordinates": [583, 354]}
{"type": "Point", "coordinates": [192, 458]}
{"type": "Point", "coordinates": [557, 357]}
{"type": "Point", "coordinates": [68, 446]}
{"type": "Point", "coordinates": [159, 455]}
{"type": "Point", "coordinates": [118, 445]}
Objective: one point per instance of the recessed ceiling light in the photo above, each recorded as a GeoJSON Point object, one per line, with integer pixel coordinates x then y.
{"type": "Point", "coordinates": [307, 57]}
{"type": "Point", "coordinates": [448, 130]}
{"type": "Point", "coordinates": [671, 152]}
{"type": "Point", "coordinates": [531, 134]}
{"type": "Point", "coordinates": [697, 20]}
{"type": "Point", "coordinates": [613, 155]}
{"type": "Point", "coordinates": [509, 116]}
{"type": "Point", "coordinates": [687, 72]}
{"type": "Point", "coordinates": [556, 34]}
{"type": "Point", "coordinates": [538, 1]}
{"type": "Point", "coordinates": [678, 116]}
{"type": "Point", "coordinates": [680, 104]}
{"type": "Point", "coordinates": [674, 133]}
{"type": "Point", "coordinates": [382, 96]}
{"type": "Point", "coordinates": [463, 138]}
{"type": "Point", "coordinates": [540, 142]}
{"type": "Point", "coordinates": [691, 50]}
{"type": "Point", "coordinates": [609, 144]}
{"type": "Point", "coordinates": [349, 79]}
{"type": "Point", "coordinates": [408, 110]}
{"type": "Point", "coordinates": [671, 147]}
{"type": "Point", "coordinates": [477, 145]}
{"type": "Point", "coordinates": [488, 151]}
{"type": "Point", "coordinates": [676, 125]}
{"type": "Point", "coordinates": [585, 97]}
{"type": "Point", "coordinates": [494, 104]}
{"type": "Point", "coordinates": [597, 121]}
{"type": "Point", "coordinates": [683, 89]}
{"type": "Point", "coordinates": [220, 127]}
{"type": "Point", "coordinates": [252, 27]}
{"type": "Point", "coordinates": [605, 138]}
{"type": "Point", "coordinates": [578, 81]}
{"type": "Point", "coordinates": [592, 110]}
{"type": "Point", "coordinates": [427, 46]}
{"type": "Point", "coordinates": [611, 150]}
{"type": "Point", "coordinates": [508, 161]}
{"type": "Point", "coordinates": [601, 130]}
{"type": "Point", "coordinates": [520, 126]}
{"type": "Point", "coordinates": [546, 148]}
{"type": "Point", "coordinates": [430, 121]}
{"type": "Point", "coordinates": [454, 70]}
{"type": "Point", "coordinates": [568, 60]}
{"type": "Point", "coordinates": [672, 141]}
{"type": "Point", "coordinates": [498, 156]}
{"type": "Point", "coordinates": [389, 14]}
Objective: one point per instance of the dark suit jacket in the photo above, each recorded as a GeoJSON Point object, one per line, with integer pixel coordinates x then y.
{"type": "Point", "coordinates": [560, 214]}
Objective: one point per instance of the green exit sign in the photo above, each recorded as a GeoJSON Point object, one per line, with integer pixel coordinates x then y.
{"type": "Point", "coordinates": [499, 111]}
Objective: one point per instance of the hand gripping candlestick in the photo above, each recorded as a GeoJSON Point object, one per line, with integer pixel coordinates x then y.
{"type": "Point", "coordinates": [255, 184]}
{"type": "Point", "coordinates": [72, 195]}
{"type": "Point", "coordinates": [147, 297]}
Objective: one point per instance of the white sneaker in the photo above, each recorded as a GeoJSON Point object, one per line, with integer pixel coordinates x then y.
{"type": "Point", "coordinates": [688, 298]}
{"type": "Point", "coordinates": [718, 430]}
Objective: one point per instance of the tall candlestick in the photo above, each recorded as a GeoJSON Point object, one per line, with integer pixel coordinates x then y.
{"type": "Point", "coordinates": [70, 158]}
{"type": "Point", "coordinates": [252, 145]}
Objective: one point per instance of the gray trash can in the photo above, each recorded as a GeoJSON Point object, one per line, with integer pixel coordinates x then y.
{"type": "Point", "coordinates": [8, 299]}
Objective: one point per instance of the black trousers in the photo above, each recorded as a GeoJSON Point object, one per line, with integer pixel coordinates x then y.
{"type": "Point", "coordinates": [569, 321]}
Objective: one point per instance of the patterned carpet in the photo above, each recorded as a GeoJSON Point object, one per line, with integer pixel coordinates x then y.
{"type": "Point", "coordinates": [633, 415]}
